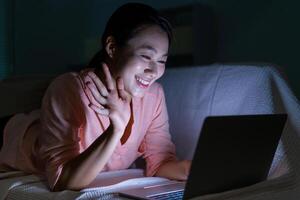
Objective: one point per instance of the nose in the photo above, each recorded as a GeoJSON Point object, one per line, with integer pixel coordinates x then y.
{"type": "Point", "coordinates": [151, 70]}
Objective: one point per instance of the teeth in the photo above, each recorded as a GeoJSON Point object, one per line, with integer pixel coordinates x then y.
{"type": "Point", "coordinates": [143, 81]}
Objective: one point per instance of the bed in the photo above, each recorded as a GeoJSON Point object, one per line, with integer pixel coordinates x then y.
{"type": "Point", "coordinates": [192, 93]}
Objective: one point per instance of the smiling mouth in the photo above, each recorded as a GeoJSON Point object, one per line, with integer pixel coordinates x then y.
{"type": "Point", "coordinates": [141, 82]}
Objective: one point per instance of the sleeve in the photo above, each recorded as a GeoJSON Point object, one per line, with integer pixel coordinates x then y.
{"type": "Point", "coordinates": [157, 147]}
{"type": "Point", "coordinates": [62, 116]}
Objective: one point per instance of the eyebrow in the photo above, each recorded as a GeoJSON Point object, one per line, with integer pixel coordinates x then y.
{"type": "Point", "coordinates": [148, 47]}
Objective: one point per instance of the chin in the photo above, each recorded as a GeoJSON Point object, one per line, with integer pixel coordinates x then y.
{"type": "Point", "coordinates": [136, 91]}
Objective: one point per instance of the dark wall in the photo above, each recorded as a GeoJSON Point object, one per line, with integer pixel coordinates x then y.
{"type": "Point", "coordinates": [55, 36]}
{"type": "Point", "coordinates": [6, 39]}
{"type": "Point", "coordinates": [261, 31]}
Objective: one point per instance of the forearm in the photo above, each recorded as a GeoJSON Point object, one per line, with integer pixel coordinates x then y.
{"type": "Point", "coordinates": [82, 170]}
{"type": "Point", "coordinates": [175, 170]}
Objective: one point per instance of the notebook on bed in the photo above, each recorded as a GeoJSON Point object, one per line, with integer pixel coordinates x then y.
{"type": "Point", "coordinates": [232, 152]}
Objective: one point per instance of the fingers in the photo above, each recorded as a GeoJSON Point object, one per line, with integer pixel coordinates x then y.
{"type": "Point", "coordinates": [97, 96]}
{"type": "Point", "coordinates": [100, 86]}
{"type": "Point", "coordinates": [109, 96]}
{"type": "Point", "coordinates": [120, 87]}
{"type": "Point", "coordinates": [109, 79]}
{"type": "Point", "coordinates": [187, 166]}
{"type": "Point", "coordinates": [102, 111]}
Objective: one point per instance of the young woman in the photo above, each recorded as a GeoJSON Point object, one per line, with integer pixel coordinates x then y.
{"type": "Point", "coordinates": [106, 116]}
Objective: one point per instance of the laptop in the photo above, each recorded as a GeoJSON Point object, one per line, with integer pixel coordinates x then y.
{"type": "Point", "coordinates": [232, 152]}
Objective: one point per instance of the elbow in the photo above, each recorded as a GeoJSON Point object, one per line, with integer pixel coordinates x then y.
{"type": "Point", "coordinates": [66, 182]}
{"type": "Point", "coordinates": [61, 186]}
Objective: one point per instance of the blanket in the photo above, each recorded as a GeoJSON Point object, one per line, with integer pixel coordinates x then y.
{"type": "Point", "coordinates": [20, 186]}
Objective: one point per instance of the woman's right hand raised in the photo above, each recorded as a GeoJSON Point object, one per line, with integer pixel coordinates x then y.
{"type": "Point", "coordinates": [113, 98]}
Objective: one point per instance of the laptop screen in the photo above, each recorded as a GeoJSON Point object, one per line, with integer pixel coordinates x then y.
{"type": "Point", "coordinates": [233, 152]}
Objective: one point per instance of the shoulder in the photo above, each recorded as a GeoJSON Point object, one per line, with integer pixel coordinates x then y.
{"type": "Point", "coordinates": [64, 88]}
{"type": "Point", "coordinates": [64, 84]}
{"type": "Point", "coordinates": [64, 99]}
{"type": "Point", "coordinates": [69, 79]}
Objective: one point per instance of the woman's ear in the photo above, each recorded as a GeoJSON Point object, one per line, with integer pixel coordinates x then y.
{"type": "Point", "coordinates": [110, 46]}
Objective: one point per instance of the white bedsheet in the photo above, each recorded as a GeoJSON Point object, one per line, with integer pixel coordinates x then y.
{"type": "Point", "coordinates": [19, 186]}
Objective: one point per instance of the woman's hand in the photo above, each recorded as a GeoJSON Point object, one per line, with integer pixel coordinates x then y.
{"type": "Point", "coordinates": [80, 171]}
{"type": "Point", "coordinates": [176, 170]}
{"type": "Point", "coordinates": [185, 166]}
{"type": "Point", "coordinates": [115, 101]}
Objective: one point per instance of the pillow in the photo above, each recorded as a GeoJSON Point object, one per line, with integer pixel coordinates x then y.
{"type": "Point", "coordinates": [3, 121]}
{"type": "Point", "coordinates": [22, 94]}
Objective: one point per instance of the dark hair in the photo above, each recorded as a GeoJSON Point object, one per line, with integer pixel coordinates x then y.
{"type": "Point", "coordinates": [127, 21]}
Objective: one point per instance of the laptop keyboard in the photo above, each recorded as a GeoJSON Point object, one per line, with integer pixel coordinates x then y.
{"type": "Point", "coordinates": [176, 195]}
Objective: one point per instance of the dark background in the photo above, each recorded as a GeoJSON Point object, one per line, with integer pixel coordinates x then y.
{"type": "Point", "coordinates": [54, 36]}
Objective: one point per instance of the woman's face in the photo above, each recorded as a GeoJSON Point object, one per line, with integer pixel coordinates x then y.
{"type": "Point", "coordinates": [142, 60]}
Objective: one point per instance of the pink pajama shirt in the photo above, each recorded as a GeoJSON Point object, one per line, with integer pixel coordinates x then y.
{"type": "Point", "coordinates": [42, 141]}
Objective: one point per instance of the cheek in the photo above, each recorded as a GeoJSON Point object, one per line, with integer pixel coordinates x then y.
{"type": "Point", "coordinates": [128, 66]}
{"type": "Point", "coordinates": [160, 71]}
{"type": "Point", "coordinates": [130, 70]}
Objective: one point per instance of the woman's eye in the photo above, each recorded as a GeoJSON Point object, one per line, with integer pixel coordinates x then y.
{"type": "Point", "coordinates": [146, 57]}
{"type": "Point", "coordinates": [162, 62]}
